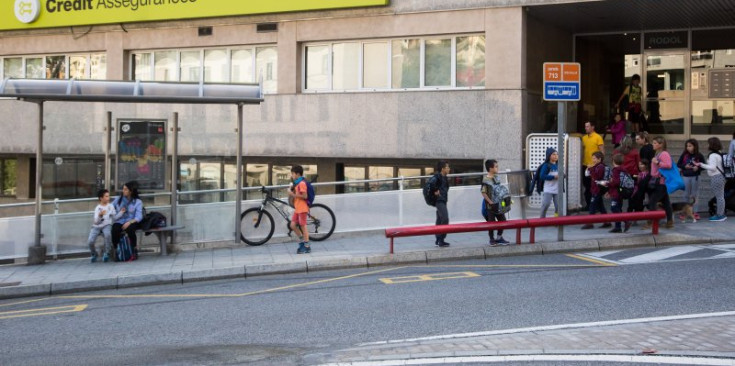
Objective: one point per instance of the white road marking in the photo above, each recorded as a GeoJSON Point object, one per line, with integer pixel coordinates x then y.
{"type": "Point", "coordinates": [555, 327]}
{"type": "Point", "coordinates": [662, 360]}
{"type": "Point", "coordinates": [662, 254]}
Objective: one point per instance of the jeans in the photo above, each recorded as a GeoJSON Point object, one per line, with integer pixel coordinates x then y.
{"type": "Point", "coordinates": [616, 206]}
{"type": "Point", "coordinates": [491, 217]}
{"type": "Point", "coordinates": [691, 190]}
{"type": "Point", "coordinates": [106, 231]}
{"type": "Point", "coordinates": [442, 218]}
{"type": "Point", "coordinates": [660, 194]}
{"type": "Point", "coordinates": [546, 202]}
{"type": "Point", "coordinates": [597, 205]}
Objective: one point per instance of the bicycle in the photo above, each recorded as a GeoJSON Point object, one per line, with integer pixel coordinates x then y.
{"type": "Point", "coordinates": [257, 224]}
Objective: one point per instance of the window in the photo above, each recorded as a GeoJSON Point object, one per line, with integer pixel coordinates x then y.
{"type": "Point", "coordinates": [411, 63]}
{"type": "Point", "coordinates": [83, 66]}
{"type": "Point", "coordinates": [55, 67]}
{"type": "Point", "coordinates": [237, 65]}
{"type": "Point", "coordinates": [34, 68]}
{"type": "Point", "coordinates": [353, 173]}
{"type": "Point", "coordinates": [77, 66]}
{"type": "Point", "coordinates": [7, 176]}
{"type": "Point", "coordinates": [13, 67]}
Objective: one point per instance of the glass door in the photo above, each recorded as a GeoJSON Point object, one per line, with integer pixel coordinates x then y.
{"type": "Point", "coordinates": [666, 91]}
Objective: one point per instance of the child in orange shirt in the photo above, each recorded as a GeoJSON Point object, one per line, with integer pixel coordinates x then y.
{"type": "Point", "coordinates": [299, 195]}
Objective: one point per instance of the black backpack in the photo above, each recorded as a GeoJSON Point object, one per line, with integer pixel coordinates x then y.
{"type": "Point", "coordinates": [536, 182]}
{"type": "Point", "coordinates": [153, 220]}
{"type": "Point", "coordinates": [429, 188]}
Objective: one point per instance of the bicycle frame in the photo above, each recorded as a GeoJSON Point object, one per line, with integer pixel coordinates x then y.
{"type": "Point", "coordinates": [270, 200]}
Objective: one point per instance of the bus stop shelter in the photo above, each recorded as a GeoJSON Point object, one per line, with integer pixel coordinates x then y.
{"type": "Point", "coordinates": [39, 91]}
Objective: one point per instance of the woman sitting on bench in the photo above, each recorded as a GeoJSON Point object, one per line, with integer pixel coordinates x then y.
{"type": "Point", "coordinates": [132, 215]}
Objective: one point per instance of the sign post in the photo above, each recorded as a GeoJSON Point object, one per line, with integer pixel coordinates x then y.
{"type": "Point", "coordinates": [562, 84]}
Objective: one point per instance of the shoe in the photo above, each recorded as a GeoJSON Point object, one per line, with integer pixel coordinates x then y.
{"type": "Point", "coordinates": [493, 243]}
{"type": "Point", "coordinates": [93, 259]}
{"type": "Point", "coordinates": [718, 218]}
{"type": "Point", "coordinates": [669, 224]}
{"type": "Point", "coordinates": [302, 248]}
{"type": "Point", "coordinates": [502, 241]}
{"type": "Point", "coordinates": [588, 226]}
{"type": "Point", "coordinates": [106, 258]}
{"type": "Point", "coordinates": [696, 216]}
{"type": "Point", "coordinates": [605, 225]}
{"type": "Point", "coordinates": [443, 244]}
{"type": "Point", "coordinates": [616, 230]}
{"type": "Point", "coordinates": [682, 217]}
{"type": "Point", "coordinates": [628, 224]}
{"type": "Point", "coordinates": [307, 248]}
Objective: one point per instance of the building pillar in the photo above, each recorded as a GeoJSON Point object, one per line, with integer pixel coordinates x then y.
{"type": "Point", "coordinates": [289, 66]}
{"type": "Point", "coordinates": [116, 59]}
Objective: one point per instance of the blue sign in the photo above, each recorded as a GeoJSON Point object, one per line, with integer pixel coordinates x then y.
{"type": "Point", "coordinates": [561, 91]}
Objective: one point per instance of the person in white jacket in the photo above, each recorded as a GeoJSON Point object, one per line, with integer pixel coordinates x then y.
{"type": "Point", "coordinates": [104, 215]}
{"type": "Point", "coordinates": [715, 170]}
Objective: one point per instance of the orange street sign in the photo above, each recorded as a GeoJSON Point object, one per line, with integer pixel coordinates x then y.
{"type": "Point", "coordinates": [552, 72]}
{"type": "Point", "coordinates": [570, 72]}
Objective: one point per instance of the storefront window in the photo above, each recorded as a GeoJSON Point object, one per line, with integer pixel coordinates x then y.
{"type": "Point", "coordinates": [190, 66]}
{"type": "Point", "coordinates": [34, 68]}
{"type": "Point", "coordinates": [665, 93]}
{"type": "Point", "coordinates": [353, 173]}
{"type": "Point", "coordinates": [215, 66]}
{"type": "Point", "coordinates": [345, 59]}
{"type": "Point", "coordinates": [380, 172]}
{"type": "Point", "coordinates": [471, 61]}
{"type": "Point", "coordinates": [410, 172]}
{"type": "Point", "coordinates": [242, 66]}
{"type": "Point", "coordinates": [375, 65]}
{"type": "Point", "coordinates": [72, 178]}
{"type": "Point", "coordinates": [713, 117]}
{"type": "Point", "coordinates": [55, 67]}
{"type": "Point", "coordinates": [406, 63]}
{"type": "Point", "coordinates": [317, 67]}
{"type": "Point", "coordinates": [7, 177]}
{"type": "Point", "coordinates": [438, 60]}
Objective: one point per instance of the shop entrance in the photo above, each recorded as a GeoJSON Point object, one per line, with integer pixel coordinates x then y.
{"type": "Point", "coordinates": [666, 92]}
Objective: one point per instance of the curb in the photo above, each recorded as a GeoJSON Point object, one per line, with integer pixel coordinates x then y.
{"type": "Point", "coordinates": [317, 264]}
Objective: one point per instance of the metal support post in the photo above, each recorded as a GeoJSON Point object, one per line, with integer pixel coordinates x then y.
{"type": "Point", "coordinates": [37, 253]}
{"type": "Point", "coordinates": [561, 146]}
{"type": "Point", "coordinates": [108, 151]}
{"type": "Point", "coordinates": [174, 170]}
{"type": "Point", "coordinates": [238, 181]}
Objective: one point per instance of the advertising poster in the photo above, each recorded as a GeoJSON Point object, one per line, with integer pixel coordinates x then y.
{"type": "Point", "coordinates": [141, 153]}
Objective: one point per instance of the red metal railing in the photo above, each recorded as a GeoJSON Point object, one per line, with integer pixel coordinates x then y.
{"type": "Point", "coordinates": [398, 232]}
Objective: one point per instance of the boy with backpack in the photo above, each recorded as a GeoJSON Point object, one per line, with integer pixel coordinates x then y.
{"type": "Point", "coordinates": [549, 182]}
{"type": "Point", "coordinates": [436, 193]}
{"type": "Point", "coordinates": [104, 215]}
{"type": "Point", "coordinates": [497, 200]}
{"type": "Point", "coordinates": [620, 187]}
{"type": "Point", "coordinates": [299, 193]}
{"type": "Point", "coordinates": [596, 172]}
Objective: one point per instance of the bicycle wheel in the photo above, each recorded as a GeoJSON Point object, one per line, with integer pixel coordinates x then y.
{"type": "Point", "coordinates": [320, 222]}
{"type": "Point", "coordinates": [256, 227]}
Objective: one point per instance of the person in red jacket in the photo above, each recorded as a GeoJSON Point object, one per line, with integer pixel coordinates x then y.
{"type": "Point", "coordinates": [613, 192]}
{"type": "Point", "coordinates": [597, 176]}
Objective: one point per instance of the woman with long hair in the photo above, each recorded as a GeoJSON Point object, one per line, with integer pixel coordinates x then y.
{"type": "Point", "coordinates": [131, 206]}
{"type": "Point", "coordinates": [657, 185]}
{"type": "Point", "coordinates": [715, 170]}
{"type": "Point", "coordinates": [690, 172]}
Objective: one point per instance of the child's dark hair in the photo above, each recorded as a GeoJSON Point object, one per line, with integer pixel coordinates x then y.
{"type": "Point", "coordinates": [101, 193]}
{"type": "Point", "coordinates": [298, 169]}
{"type": "Point", "coordinates": [714, 144]}
{"type": "Point", "coordinates": [618, 159]}
{"type": "Point", "coordinates": [694, 143]}
{"type": "Point", "coordinates": [490, 163]}
{"type": "Point", "coordinates": [635, 77]}
{"type": "Point", "coordinates": [599, 155]}
{"type": "Point", "coordinates": [440, 165]}
{"type": "Point", "coordinates": [647, 164]}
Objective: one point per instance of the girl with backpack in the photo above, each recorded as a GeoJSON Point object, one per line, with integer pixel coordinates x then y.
{"type": "Point", "coordinates": [131, 207]}
{"type": "Point", "coordinates": [550, 175]}
{"type": "Point", "coordinates": [635, 203]}
{"type": "Point", "coordinates": [714, 169]}
{"type": "Point", "coordinates": [690, 173]}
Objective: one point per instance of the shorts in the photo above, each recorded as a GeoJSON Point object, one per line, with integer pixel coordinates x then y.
{"type": "Point", "coordinates": [299, 218]}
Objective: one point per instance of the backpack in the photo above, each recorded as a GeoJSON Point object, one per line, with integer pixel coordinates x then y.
{"type": "Point", "coordinates": [537, 183]}
{"type": "Point", "coordinates": [728, 165]}
{"type": "Point", "coordinates": [627, 185]}
{"type": "Point", "coordinates": [153, 220]}
{"type": "Point", "coordinates": [310, 193]}
{"type": "Point", "coordinates": [501, 199]}
{"type": "Point", "coordinates": [428, 190]}
{"type": "Point", "coordinates": [124, 249]}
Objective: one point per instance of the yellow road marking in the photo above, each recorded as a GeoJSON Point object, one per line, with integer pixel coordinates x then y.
{"type": "Point", "coordinates": [428, 277]}
{"type": "Point", "coordinates": [42, 311]}
{"type": "Point", "coordinates": [515, 265]}
{"type": "Point", "coordinates": [24, 302]}
{"type": "Point", "coordinates": [596, 261]}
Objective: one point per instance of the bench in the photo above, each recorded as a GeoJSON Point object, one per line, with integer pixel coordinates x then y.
{"type": "Point", "coordinates": [519, 224]}
{"type": "Point", "coordinates": [161, 233]}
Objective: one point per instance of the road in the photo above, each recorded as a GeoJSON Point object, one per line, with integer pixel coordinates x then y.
{"type": "Point", "coordinates": [283, 319]}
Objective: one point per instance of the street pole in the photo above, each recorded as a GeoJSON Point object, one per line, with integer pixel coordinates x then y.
{"type": "Point", "coordinates": [108, 150]}
{"type": "Point", "coordinates": [561, 124]}
{"type": "Point", "coordinates": [174, 169]}
{"type": "Point", "coordinates": [37, 253]}
{"type": "Point", "coordinates": [238, 180]}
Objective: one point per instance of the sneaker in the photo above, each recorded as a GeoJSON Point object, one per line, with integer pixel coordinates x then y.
{"type": "Point", "coordinates": [718, 218]}
{"type": "Point", "coordinates": [493, 243]}
{"type": "Point", "coordinates": [605, 225]}
{"type": "Point", "coordinates": [443, 244]}
{"type": "Point", "coordinates": [628, 224]}
{"type": "Point", "coordinates": [696, 216]}
{"type": "Point", "coordinates": [616, 230]}
{"type": "Point", "coordinates": [302, 248]}
{"type": "Point", "coordinates": [682, 217]}
{"type": "Point", "coordinates": [93, 258]}
{"type": "Point", "coordinates": [502, 241]}
{"type": "Point", "coordinates": [669, 224]}
{"type": "Point", "coordinates": [588, 226]}
{"type": "Point", "coordinates": [106, 258]}
{"type": "Point", "coordinates": [307, 248]}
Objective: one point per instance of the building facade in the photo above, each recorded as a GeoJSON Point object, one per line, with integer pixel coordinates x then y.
{"type": "Point", "coordinates": [378, 90]}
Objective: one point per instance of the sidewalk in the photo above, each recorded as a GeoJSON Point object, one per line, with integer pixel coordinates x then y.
{"type": "Point", "coordinates": [340, 251]}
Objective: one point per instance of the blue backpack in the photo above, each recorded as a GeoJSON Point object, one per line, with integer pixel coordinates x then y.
{"type": "Point", "coordinates": [310, 193]}
{"type": "Point", "coordinates": [124, 250]}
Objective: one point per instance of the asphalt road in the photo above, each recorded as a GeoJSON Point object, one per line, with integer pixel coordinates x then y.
{"type": "Point", "coordinates": [279, 319]}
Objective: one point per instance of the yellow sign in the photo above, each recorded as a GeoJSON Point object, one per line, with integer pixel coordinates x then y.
{"type": "Point", "coordinates": [31, 14]}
